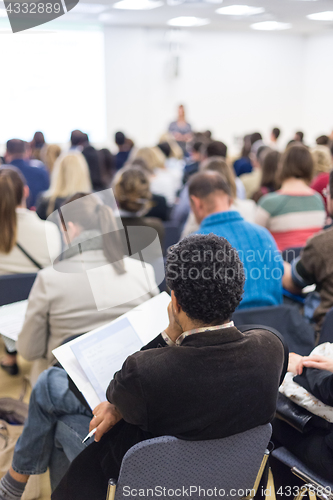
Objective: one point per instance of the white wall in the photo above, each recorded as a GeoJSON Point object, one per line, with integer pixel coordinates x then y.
{"type": "Point", "coordinates": [318, 83]}
{"type": "Point", "coordinates": [231, 83]}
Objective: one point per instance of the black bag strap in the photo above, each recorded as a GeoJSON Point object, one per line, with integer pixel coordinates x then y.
{"type": "Point", "coordinates": [29, 256]}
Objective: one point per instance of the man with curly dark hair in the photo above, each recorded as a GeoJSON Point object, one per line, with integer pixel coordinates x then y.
{"type": "Point", "coordinates": [196, 261]}
{"type": "Point", "coordinates": [199, 379]}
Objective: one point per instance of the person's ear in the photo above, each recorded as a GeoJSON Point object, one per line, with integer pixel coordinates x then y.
{"type": "Point", "coordinates": [26, 192]}
{"type": "Point", "coordinates": [175, 303]}
{"type": "Point", "coordinates": [195, 203]}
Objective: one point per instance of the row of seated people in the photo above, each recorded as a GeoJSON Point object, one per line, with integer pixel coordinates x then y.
{"type": "Point", "coordinates": [215, 209]}
{"type": "Point", "coordinates": [210, 193]}
{"type": "Point", "coordinates": [233, 387]}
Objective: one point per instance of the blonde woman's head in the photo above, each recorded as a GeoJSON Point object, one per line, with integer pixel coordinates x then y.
{"type": "Point", "coordinates": [49, 153]}
{"type": "Point", "coordinates": [132, 191]}
{"type": "Point", "coordinates": [217, 164]}
{"type": "Point", "coordinates": [322, 159]}
{"type": "Point", "coordinates": [153, 157]}
{"type": "Point", "coordinates": [70, 175]}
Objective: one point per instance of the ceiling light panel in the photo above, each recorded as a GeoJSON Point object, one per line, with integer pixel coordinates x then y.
{"type": "Point", "coordinates": [240, 10]}
{"type": "Point", "coordinates": [270, 26]}
{"type": "Point", "coordinates": [188, 21]}
{"type": "Point", "coordinates": [321, 16]}
{"type": "Point", "coordinates": [89, 8]}
{"type": "Point", "coordinates": [137, 4]}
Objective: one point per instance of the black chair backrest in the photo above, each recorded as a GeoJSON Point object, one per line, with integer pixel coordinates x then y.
{"type": "Point", "coordinates": [326, 334]}
{"type": "Point", "coordinates": [171, 235]}
{"type": "Point", "coordinates": [15, 287]}
{"type": "Point", "coordinates": [289, 254]}
{"type": "Point", "coordinates": [287, 320]}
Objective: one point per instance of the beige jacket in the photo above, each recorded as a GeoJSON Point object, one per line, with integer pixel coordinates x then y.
{"type": "Point", "coordinates": [31, 235]}
{"type": "Point", "coordinates": [63, 304]}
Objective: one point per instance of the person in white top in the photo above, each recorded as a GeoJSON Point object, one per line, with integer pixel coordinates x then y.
{"type": "Point", "coordinates": [23, 245]}
{"type": "Point", "coordinates": [92, 284]}
{"type": "Point", "coordinates": [20, 226]}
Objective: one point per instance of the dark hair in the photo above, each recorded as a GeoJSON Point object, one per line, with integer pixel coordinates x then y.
{"type": "Point", "coordinates": [11, 194]}
{"type": "Point", "coordinates": [323, 140]}
{"type": "Point", "coordinates": [38, 140]}
{"type": "Point", "coordinates": [15, 147]}
{"type": "Point", "coordinates": [107, 165]}
{"type": "Point", "coordinates": [300, 135]}
{"type": "Point", "coordinates": [216, 148]}
{"type": "Point", "coordinates": [77, 138]}
{"type": "Point", "coordinates": [269, 173]}
{"type": "Point", "coordinates": [92, 214]}
{"type": "Point", "coordinates": [246, 149]}
{"type": "Point", "coordinates": [297, 162]}
{"type": "Point", "coordinates": [276, 132]}
{"type": "Point", "coordinates": [197, 146]}
{"type": "Point", "coordinates": [256, 136]}
{"type": "Point", "coordinates": [165, 148]}
{"type": "Point", "coordinates": [204, 184]}
{"type": "Point", "coordinates": [207, 278]}
{"type": "Point", "coordinates": [119, 138]}
{"type": "Point", "coordinates": [331, 184]}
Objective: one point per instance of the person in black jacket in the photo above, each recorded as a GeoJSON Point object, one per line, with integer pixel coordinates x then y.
{"type": "Point", "coordinates": [199, 379]}
{"type": "Point", "coordinates": [315, 448]}
{"type": "Point", "coordinates": [208, 381]}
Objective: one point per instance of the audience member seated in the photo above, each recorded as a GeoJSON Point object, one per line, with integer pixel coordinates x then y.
{"type": "Point", "coordinates": [299, 137]}
{"type": "Point", "coordinates": [78, 140]}
{"type": "Point", "coordinates": [22, 234]}
{"type": "Point", "coordinates": [218, 148]}
{"type": "Point", "coordinates": [180, 129]}
{"type": "Point", "coordinates": [93, 161]}
{"type": "Point", "coordinates": [323, 164]}
{"type": "Point", "coordinates": [157, 392]}
{"type": "Point", "coordinates": [269, 172]}
{"type": "Point", "coordinates": [323, 140]}
{"type": "Point", "coordinates": [107, 166]}
{"type": "Point", "coordinates": [211, 199]}
{"type": "Point", "coordinates": [295, 212]}
{"type": "Point", "coordinates": [162, 181]}
{"type": "Point", "coordinates": [123, 150]}
{"type": "Point", "coordinates": [245, 207]}
{"type": "Point", "coordinates": [251, 182]}
{"type": "Point", "coordinates": [314, 373]}
{"type": "Point", "coordinates": [37, 144]}
{"type": "Point", "coordinates": [61, 302]}
{"type": "Point", "coordinates": [275, 134]}
{"type": "Point", "coordinates": [69, 176]}
{"type": "Point", "coordinates": [159, 207]}
{"type": "Point", "coordinates": [132, 192]}
{"type": "Point", "coordinates": [49, 154]}
{"type": "Point", "coordinates": [193, 163]}
{"type": "Point", "coordinates": [36, 178]}
{"type": "Point", "coordinates": [243, 165]}
{"type": "Point", "coordinates": [315, 266]}
{"type": "Point", "coordinates": [23, 245]}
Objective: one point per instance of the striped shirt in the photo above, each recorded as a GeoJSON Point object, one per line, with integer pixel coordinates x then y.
{"type": "Point", "coordinates": [292, 219]}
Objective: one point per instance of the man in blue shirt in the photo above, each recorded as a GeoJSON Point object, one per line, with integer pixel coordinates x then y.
{"type": "Point", "coordinates": [37, 178]}
{"type": "Point", "coordinates": [210, 197]}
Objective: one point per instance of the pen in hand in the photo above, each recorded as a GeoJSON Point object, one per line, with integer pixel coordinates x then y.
{"type": "Point", "coordinates": [89, 435]}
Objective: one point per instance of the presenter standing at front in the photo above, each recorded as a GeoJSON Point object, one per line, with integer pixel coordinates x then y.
{"type": "Point", "coordinates": [180, 129]}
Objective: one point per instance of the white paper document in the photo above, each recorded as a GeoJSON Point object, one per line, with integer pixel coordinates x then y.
{"type": "Point", "coordinates": [92, 359]}
{"type": "Point", "coordinates": [12, 319]}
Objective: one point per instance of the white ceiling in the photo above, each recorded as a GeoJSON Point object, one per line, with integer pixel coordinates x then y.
{"type": "Point", "coordinates": [288, 11]}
